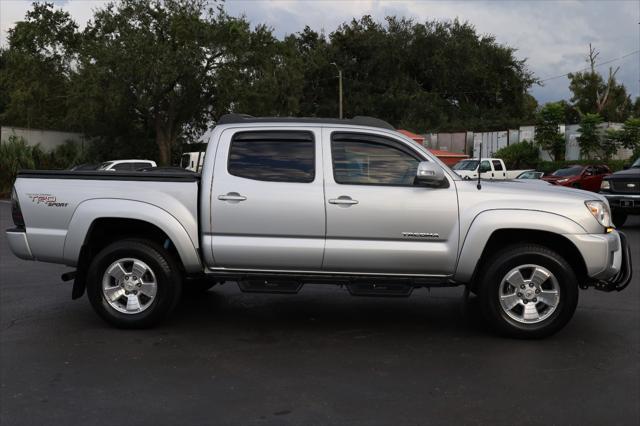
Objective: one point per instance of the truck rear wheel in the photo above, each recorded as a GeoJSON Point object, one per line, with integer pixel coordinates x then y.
{"type": "Point", "coordinates": [528, 291]}
{"type": "Point", "coordinates": [133, 283]}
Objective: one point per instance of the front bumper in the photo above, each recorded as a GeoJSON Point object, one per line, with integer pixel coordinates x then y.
{"type": "Point", "coordinates": [18, 243]}
{"type": "Point", "coordinates": [607, 258]}
{"type": "Point", "coordinates": [620, 280]}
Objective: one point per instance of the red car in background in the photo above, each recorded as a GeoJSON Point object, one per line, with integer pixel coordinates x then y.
{"type": "Point", "coordinates": [588, 177]}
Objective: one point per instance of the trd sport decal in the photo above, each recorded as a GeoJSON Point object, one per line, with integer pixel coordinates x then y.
{"type": "Point", "coordinates": [46, 199]}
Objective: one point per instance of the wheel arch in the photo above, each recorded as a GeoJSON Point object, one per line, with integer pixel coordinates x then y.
{"type": "Point", "coordinates": [96, 223]}
{"type": "Point", "coordinates": [495, 229]}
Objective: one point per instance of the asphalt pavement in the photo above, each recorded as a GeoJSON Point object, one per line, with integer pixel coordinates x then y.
{"type": "Point", "coordinates": [320, 357]}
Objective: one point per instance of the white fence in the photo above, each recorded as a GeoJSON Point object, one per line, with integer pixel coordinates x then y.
{"type": "Point", "coordinates": [47, 139]}
{"type": "Point", "coordinates": [493, 141]}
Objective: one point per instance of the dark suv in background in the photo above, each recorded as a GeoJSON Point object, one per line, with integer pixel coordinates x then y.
{"type": "Point", "coordinates": [622, 189]}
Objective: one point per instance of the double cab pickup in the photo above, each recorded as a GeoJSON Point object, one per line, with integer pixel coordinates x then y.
{"type": "Point", "coordinates": [282, 202]}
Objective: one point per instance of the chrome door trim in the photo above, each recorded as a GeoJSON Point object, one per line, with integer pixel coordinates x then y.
{"type": "Point", "coordinates": [213, 269]}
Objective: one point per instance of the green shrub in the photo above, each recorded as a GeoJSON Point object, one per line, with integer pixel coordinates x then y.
{"type": "Point", "coordinates": [15, 154]}
{"type": "Point", "coordinates": [523, 155]}
{"type": "Point", "coordinates": [62, 157]}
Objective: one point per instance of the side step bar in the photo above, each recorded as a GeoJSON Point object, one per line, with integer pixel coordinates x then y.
{"type": "Point", "coordinates": [397, 289]}
{"type": "Point", "coordinates": [356, 288]}
{"type": "Point", "coordinates": [270, 286]}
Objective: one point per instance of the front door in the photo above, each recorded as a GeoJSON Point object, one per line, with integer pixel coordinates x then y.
{"type": "Point", "coordinates": [378, 221]}
{"type": "Point", "coordinates": [267, 200]}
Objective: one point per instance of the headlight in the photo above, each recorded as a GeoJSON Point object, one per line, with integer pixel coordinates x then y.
{"type": "Point", "coordinates": [600, 210]}
{"type": "Point", "coordinates": [563, 180]}
{"type": "Point", "coordinates": [605, 185]}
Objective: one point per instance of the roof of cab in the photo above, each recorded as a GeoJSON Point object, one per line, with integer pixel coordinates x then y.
{"type": "Point", "coordinates": [357, 121]}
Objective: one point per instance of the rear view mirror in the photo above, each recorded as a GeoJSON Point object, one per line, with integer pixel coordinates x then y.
{"type": "Point", "coordinates": [429, 174]}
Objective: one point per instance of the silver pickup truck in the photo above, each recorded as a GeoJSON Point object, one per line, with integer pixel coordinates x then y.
{"type": "Point", "coordinates": [284, 202]}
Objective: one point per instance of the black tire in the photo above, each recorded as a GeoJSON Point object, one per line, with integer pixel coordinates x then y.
{"type": "Point", "coordinates": [164, 267]}
{"type": "Point", "coordinates": [619, 218]}
{"type": "Point", "coordinates": [497, 267]}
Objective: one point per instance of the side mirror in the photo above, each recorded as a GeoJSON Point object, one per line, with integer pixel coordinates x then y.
{"type": "Point", "coordinates": [429, 174]}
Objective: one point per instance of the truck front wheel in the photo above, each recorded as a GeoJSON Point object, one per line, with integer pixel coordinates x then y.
{"type": "Point", "coordinates": [133, 283]}
{"type": "Point", "coordinates": [528, 291]}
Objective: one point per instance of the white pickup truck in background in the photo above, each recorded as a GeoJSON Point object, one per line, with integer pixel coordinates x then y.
{"type": "Point", "coordinates": [490, 168]}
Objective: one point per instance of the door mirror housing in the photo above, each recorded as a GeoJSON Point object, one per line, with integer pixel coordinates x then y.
{"type": "Point", "coordinates": [430, 174]}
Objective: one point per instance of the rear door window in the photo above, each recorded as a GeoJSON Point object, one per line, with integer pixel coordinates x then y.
{"type": "Point", "coordinates": [275, 156]}
{"type": "Point", "coordinates": [497, 165]}
{"type": "Point", "coordinates": [141, 165]}
{"type": "Point", "coordinates": [123, 167]}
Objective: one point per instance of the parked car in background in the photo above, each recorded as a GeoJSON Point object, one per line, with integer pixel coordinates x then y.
{"type": "Point", "coordinates": [622, 189]}
{"type": "Point", "coordinates": [161, 169]}
{"type": "Point", "coordinates": [126, 165]}
{"type": "Point", "coordinates": [85, 166]}
{"type": "Point", "coordinates": [530, 174]}
{"type": "Point", "coordinates": [587, 177]}
{"type": "Point", "coordinates": [192, 161]}
{"type": "Point", "coordinates": [489, 168]}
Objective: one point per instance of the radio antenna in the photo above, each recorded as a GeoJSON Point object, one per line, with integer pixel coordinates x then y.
{"type": "Point", "coordinates": [479, 185]}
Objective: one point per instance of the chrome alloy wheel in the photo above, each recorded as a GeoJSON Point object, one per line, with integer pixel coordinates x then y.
{"type": "Point", "coordinates": [529, 294]}
{"type": "Point", "coordinates": [129, 286]}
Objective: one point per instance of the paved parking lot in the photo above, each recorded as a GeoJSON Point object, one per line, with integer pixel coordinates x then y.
{"type": "Point", "coordinates": [318, 358]}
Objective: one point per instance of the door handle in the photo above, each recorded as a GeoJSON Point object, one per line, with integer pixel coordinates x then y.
{"type": "Point", "coordinates": [343, 200]}
{"type": "Point", "coordinates": [232, 196]}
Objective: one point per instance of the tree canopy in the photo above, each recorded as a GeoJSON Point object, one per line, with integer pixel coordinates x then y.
{"type": "Point", "coordinates": [592, 94]}
{"type": "Point", "coordinates": [145, 74]}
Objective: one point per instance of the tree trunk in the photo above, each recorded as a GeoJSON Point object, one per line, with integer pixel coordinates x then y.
{"type": "Point", "coordinates": [164, 141]}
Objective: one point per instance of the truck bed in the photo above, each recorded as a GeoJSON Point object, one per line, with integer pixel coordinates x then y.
{"type": "Point", "coordinates": [59, 206]}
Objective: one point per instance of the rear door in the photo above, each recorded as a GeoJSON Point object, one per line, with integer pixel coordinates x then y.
{"type": "Point", "coordinates": [499, 171]}
{"type": "Point", "coordinates": [377, 220]}
{"type": "Point", "coordinates": [267, 200]}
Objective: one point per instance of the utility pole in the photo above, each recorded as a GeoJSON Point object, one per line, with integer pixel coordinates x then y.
{"type": "Point", "coordinates": [339, 88]}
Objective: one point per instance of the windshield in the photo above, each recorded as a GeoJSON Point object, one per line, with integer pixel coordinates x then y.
{"type": "Point", "coordinates": [529, 175]}
{"type": "Point", "coordinates": [466, 165]}
{"type": "Point", "coordinates": [636, 164]}
{"type": "Point", "coordinates": [569, 171]}
{"type": "Point", "coordinates": [104, 165]}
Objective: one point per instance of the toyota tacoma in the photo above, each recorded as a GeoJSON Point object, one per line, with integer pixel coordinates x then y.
{"type": "Point", "coordinates": [282, 202]}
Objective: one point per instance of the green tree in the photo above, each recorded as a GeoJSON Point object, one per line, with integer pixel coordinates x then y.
{"type": "Point", "coordinates": [593, 95]}
{"type": "Point", "coordinates": [154, 64]}
{"type": "Point", "coordinates": [590, 139]}
{"type": "Point", "coordinates": [35, 69]}
{"type": "Point", "coordinates": [627, 137]}
{"type": "Point", "coordinates": [519, 155]}
{"type": "Point", "coordinates": [548, 136]}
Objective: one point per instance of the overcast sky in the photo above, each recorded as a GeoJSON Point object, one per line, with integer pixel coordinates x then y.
{"type": "Point", "coordinates": [552, 35]}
